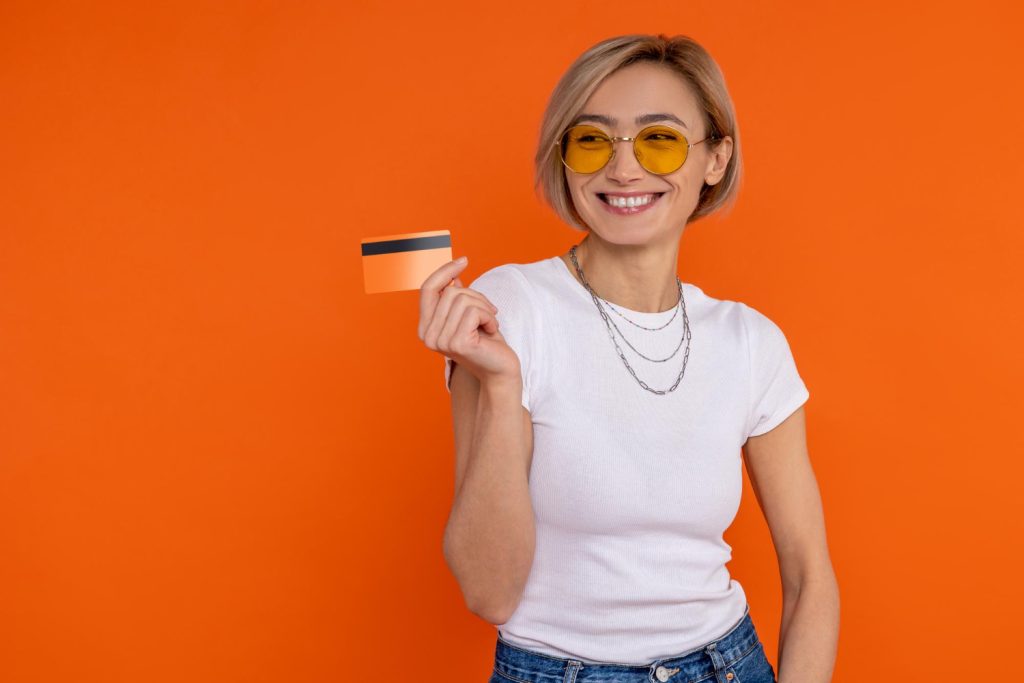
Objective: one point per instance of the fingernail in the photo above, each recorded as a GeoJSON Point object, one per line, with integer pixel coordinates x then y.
{"type": "Point", "coordinates": [462, 259]}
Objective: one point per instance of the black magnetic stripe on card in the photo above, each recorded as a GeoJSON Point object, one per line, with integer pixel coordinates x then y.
{"type": "Point", "coordinates": [414, 244]}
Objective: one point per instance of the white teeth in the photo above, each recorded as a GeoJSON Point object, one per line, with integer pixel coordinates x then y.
{"type": "Point", "coordinates": [623, 202]}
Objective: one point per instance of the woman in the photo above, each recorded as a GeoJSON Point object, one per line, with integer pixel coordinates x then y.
{"type": "Point", "coordinates": [587, 524]}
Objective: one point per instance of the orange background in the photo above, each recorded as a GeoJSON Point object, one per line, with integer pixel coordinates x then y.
{"type": "Point", "coordinates": [221, 460]}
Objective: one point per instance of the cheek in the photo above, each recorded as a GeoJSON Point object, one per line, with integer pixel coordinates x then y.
{"type": "Point", "coordinates": [686, 188]}
{"type": "Point", "coordinates": [578, 195]}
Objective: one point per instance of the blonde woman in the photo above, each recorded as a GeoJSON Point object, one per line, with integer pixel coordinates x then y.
{"type": "Point", "coordinates": [603, 408]}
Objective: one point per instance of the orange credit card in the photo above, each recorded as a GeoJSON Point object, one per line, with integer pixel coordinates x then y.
{"type": "Point", "coordinates": [392, 263]}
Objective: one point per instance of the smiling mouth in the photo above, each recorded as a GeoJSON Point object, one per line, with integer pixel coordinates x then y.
{"type": "Point", "coordinates": [630, 208]}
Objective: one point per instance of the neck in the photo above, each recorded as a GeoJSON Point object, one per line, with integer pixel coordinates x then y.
{"type": "Point", "coordinates": [638, 277]}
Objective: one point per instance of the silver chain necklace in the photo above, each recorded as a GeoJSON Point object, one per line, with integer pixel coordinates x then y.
{"type": "Point", "coordinates": [609, 324]}
{"type": "Point", "coordinates": [649, 329]}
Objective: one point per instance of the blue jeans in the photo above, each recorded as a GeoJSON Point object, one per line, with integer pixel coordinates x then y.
{"type": "Point", "coordinates": [736, 657]}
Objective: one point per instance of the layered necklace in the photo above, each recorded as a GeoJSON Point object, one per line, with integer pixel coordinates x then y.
{"type": "Point", "coordinates": [609, 323]}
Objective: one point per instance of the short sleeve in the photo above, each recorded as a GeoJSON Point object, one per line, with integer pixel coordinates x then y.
{"type": "Point", "coordinates": [776, 388]}
{"type": "Point", "coordinates": [508, 289]}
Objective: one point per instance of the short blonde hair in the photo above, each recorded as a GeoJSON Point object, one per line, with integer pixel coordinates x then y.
{"type": "Point", "coordinates": [681, 54]}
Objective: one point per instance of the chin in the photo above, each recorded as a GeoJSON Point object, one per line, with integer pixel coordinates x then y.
{"type": "Point", "coordinates": [633, 235]}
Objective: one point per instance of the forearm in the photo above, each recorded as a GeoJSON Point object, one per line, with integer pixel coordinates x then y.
{"type": "Point", "coordinates": [809, 635]}
{"type": "Point", "coordinates": [490, 537]}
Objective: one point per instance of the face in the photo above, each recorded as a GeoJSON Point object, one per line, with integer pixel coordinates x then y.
{"type": "Point", "coordinates": [634, 91]}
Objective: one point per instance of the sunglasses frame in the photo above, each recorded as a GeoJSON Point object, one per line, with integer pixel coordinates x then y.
{"type": "Point", "coordinates": [614, 139]}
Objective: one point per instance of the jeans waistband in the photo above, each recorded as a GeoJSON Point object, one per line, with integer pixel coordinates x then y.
{"type": "Point", "coordinates": [705, 661]}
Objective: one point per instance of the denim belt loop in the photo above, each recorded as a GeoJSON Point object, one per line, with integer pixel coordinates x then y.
{"type": "Point", "coordinates": [571, 671]}
{"type": "Point", "coordinates": [719, 661]}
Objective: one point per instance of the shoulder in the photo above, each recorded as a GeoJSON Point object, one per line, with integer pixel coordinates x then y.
{"type": "Point", "coordinates": [510, 279]}
{"type": "Point", "coordinates": [755, 320]}
{"type": "Point", "coordinates": [506, 274]}
{"type": "Point", "coordinates": [734, 319]}
{"type": "Point", "coordinates": [766, 341]}
{"type": "Point", "coordinates": [509, 289]}
{"type": "Point", "coordinates": [761, 328]}
{"type": "Point", "coordinates": [723, 312]}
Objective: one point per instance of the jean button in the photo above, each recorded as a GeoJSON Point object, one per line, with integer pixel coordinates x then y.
{"type": "Point", "coordinates": [662, 674]}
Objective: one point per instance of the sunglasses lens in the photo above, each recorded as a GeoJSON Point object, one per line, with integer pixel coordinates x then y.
{"type": "Point", "coordinates": [586, 149]}
{"type": "Point", "coordinates": [659, 149]}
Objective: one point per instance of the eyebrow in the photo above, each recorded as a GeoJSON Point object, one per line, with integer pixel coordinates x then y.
{"type": "Point", "coordinates": [640, 120]}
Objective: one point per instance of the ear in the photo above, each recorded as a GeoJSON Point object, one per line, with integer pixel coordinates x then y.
{"type": "Point", "coordinates": [718, 160]}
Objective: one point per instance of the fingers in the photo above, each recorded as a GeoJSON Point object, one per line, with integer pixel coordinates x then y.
{"type": "Point", "coordinates": [462, 322]}
{"type": "Point", "coordinates": [430, 325]}
{"type": "Point", "coordinates": [451, 308]}
{"type": "Point", "coordinates": [437, 280]}
{"type": "Point", "coordinates": [433, 285]}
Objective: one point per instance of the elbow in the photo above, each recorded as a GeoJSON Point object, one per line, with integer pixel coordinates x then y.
{"type": "Point", "coordinates": [495, 616]}
{"type": "Point", "coordinates": [492, 598]}
{"type": "Point", "coordinates": [470, 598]}
{"type": "Point", "coordinates": [493, 611]}
{"type": "Point", "coordinates": [485, 604]}
{"type": "Point", "coordinates": [479, 601]}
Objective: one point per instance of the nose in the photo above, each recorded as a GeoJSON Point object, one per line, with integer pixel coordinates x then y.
{"type": "Point", "coordinates": [624, 166]}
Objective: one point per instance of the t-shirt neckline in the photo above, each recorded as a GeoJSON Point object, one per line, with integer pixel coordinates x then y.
{"type": "Point", "coordinates": [582, 291]}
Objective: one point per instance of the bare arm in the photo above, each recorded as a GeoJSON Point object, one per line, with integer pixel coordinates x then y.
{"type": "Point", "coordinates": [784, 484]}
{"type": "Point", "coordinates": [490, 536]}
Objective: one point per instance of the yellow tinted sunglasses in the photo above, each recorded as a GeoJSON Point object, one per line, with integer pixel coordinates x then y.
{"type": "Point", "coordinates": [660, 149]}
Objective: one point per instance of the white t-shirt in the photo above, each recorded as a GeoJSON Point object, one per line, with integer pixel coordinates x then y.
{"type": "Point", "coordinates": [631, 490]}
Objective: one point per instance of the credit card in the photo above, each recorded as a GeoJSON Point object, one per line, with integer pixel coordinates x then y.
{"type": "Point", "coordinates": [393, 263]}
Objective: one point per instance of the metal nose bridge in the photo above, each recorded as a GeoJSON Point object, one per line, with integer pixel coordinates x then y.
{"type": "Point", "coordinates": [632, 147]}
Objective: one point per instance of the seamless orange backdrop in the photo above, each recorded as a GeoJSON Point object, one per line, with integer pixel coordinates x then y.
{"type": "Point", "coordinates": [221, 460]}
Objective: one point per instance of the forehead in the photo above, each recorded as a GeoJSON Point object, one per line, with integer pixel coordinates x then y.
{"type": "Point", "coordinates": [641, 88]}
